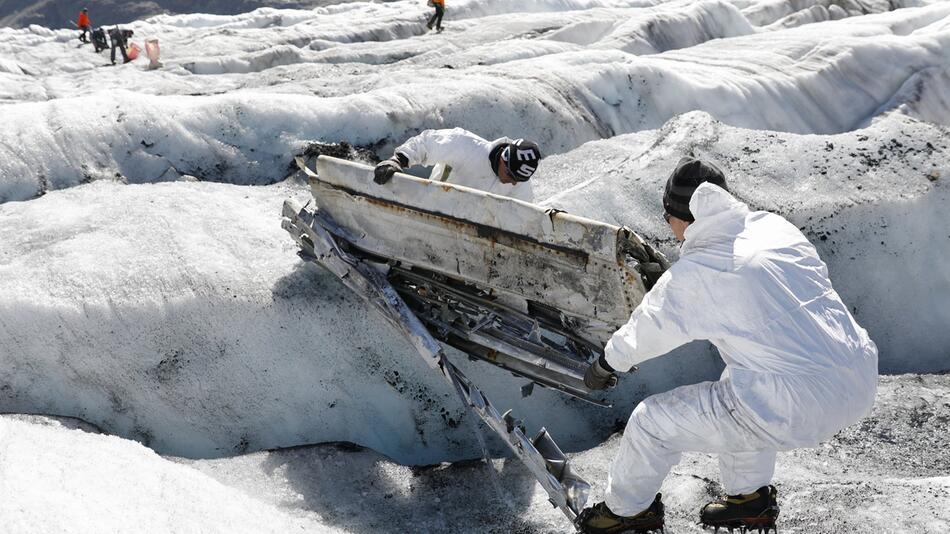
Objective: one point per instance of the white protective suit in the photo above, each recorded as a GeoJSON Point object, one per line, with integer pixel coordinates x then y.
{"type": "Point", "coordinates": [461, 157]}
{"type": "Point", "coordinates": [798, 366]}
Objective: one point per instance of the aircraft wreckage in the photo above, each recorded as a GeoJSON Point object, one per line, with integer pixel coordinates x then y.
{"type": "Point", "coordinates": [535, 291]}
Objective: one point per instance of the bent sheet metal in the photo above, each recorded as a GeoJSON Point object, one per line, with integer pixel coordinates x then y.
{"type": "Point", "coordinates": [533, 291]}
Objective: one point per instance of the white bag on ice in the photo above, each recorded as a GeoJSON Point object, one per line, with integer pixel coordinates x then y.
{"type": "Point", "coordinates": [153, 51]}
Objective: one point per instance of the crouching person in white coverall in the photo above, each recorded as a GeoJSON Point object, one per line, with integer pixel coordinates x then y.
{"type": "Point", "coordinates": [502, 166]}
{"type": "Point", "coordinates": [798, 366]}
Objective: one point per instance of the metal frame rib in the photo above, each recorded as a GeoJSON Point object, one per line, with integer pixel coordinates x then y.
{"type": "Point", "coordinates": [318, 238]}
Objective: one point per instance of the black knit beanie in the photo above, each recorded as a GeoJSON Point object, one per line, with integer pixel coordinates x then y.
{"type": "Point", "coordinates": [689, 173]}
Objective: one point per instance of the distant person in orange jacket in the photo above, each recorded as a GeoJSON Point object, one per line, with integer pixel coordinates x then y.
{"type": "Point", "coordinates": [436, 18]}
{"type": "Point", "coordinates": [84, 25]}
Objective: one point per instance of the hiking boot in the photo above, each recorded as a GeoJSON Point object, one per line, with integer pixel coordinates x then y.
{"type": "Point", "coordinates": [756, 511]}
{"type": "Point", "coordinates": [598, 519]}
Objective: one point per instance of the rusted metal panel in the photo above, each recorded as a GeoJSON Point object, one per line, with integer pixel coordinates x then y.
{"type": "Point", "coordinates": [573, 264]}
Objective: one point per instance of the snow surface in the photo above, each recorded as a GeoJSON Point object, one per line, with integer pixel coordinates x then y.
{"type": "Point", "coordinates": [886, 474]}
{"type": "Point", "coordinates": [148, 289]}
{"type": "Point", "coordinates": [273, 86]}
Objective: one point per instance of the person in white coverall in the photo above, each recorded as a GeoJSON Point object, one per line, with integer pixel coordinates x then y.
{"type": "Point", "coordinates": [502, 166]}
{"type": "Point", "coordinates": [798, 366]}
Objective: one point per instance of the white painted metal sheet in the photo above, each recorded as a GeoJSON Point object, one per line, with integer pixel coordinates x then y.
{"type": "Point", "coordinates": [575, 265]}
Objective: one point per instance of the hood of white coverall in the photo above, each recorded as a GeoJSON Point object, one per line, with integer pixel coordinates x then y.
{"type": "Point", "coordinates": [752, 284]}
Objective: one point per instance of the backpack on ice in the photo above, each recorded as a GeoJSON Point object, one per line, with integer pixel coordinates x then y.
{"type": "Point", "coordinates": [133, 51]}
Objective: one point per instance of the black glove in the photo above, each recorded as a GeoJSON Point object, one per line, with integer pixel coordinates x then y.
{"type": "Point", "coordinates": [600, 375]}
{"type": "Point", "coordinates": [386, 169]}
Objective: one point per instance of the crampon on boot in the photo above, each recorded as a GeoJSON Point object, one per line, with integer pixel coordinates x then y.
{"type": "Point", "coordinates": [752, 512]}
{"type": "Point", "coordinates": [598, 519]}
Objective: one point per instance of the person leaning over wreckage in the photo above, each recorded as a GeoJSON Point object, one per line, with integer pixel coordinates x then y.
{"type": "Point", "coordinates": [798, 366]}
{"type": "Point", "coordinates": [502, 166]}
{"type": "Point", "coordinates": [120, 39]}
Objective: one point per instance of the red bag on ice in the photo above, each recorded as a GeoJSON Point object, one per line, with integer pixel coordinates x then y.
{"type": "Point", "coordinates": [133, 51]}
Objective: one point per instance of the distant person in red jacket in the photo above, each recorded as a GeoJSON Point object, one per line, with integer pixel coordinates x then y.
{"type": "Point", "coordinates": [84, 25]}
